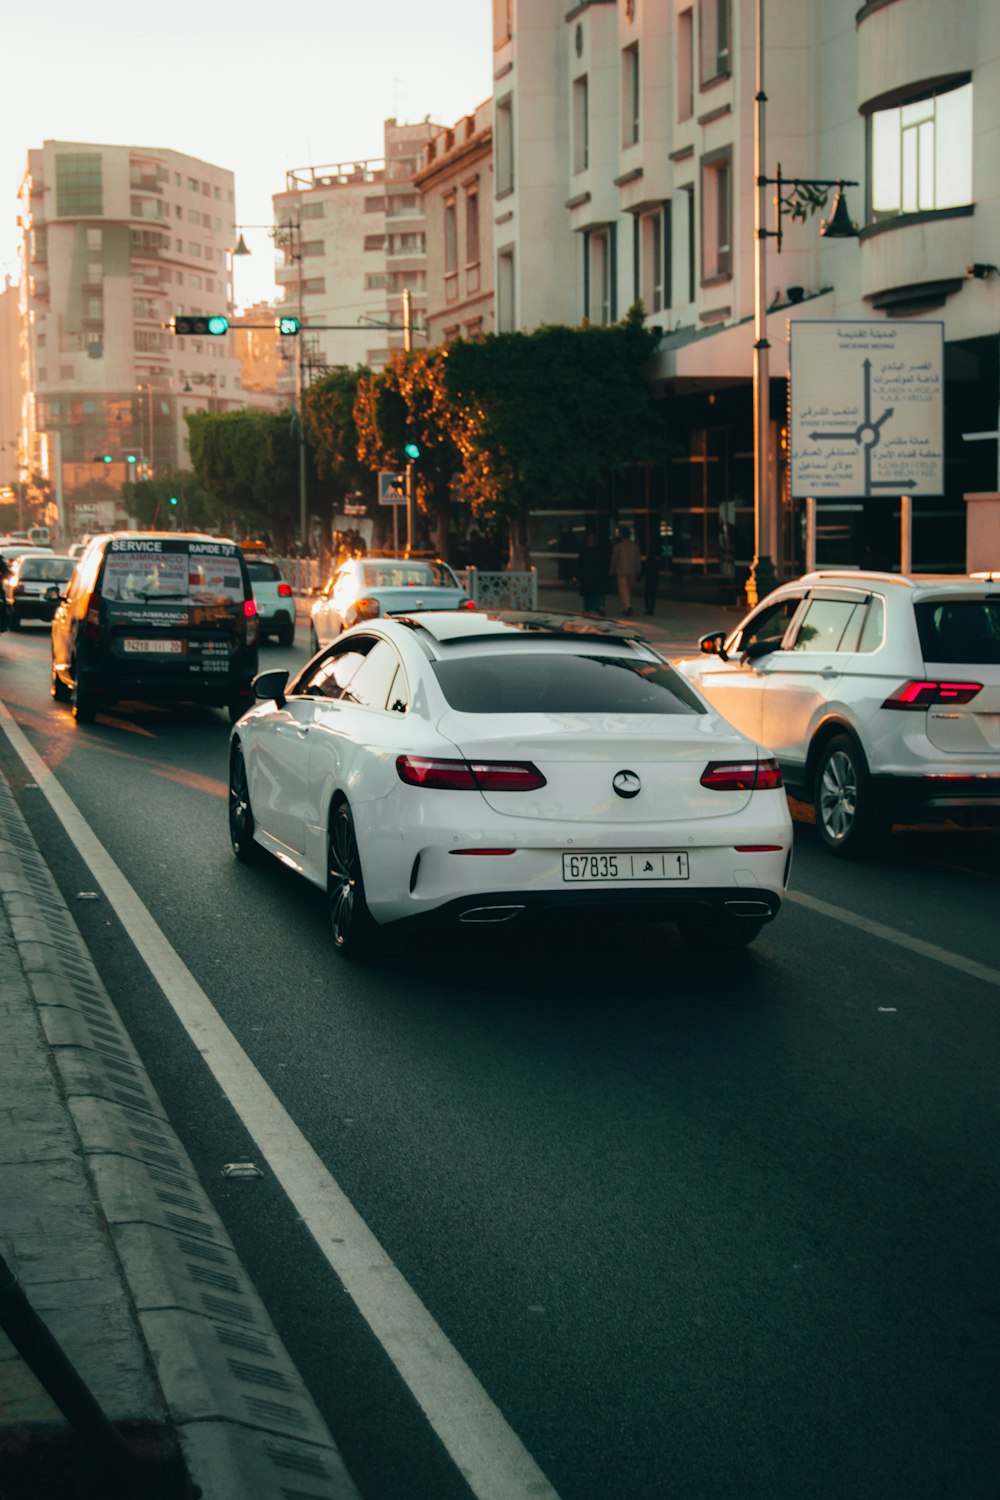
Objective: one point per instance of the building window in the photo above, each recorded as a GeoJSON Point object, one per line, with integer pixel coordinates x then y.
{"type": "Point", "coordinates": [599, 275]}
{"type": "Point", "coordinates": [472, 226]}
{"type": "Point", "coordinates": [374, 241]}
{"type": "Point", "coordinates": [716, 214]}
{"type": "Point", "coordinates": [581, 124]}
{"type": "Point", "coordinates": [652, 261]}
{"type": "Point", "coordinates": [450, 237]}
{"type": "Point", "coordinates": [79, 185]}
{"type": "Point", "coordinates": [504, 145]}
{"type": "Point", "coordinates": [630, 95]}
{"type": "Point", "coordinates": [686, 203]}
{"type": "Point", "coordinates": [506, 320]}
{"type": "Point", "coordinates": [503, 16]}
{"type": "Point", "coordinates": [313, 210]}
{"type": "Point", "coordinates": [713, 23]}
{"type": "Point", "coordinates": [313, 247]}
{"type": "Point", "coordinates": [374, 280]}
{"type": "Point", "coordinates": [685, 65]}
{"type": "Point", "coordinates": [920, 154]}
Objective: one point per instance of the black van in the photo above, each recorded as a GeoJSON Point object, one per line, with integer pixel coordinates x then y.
{"type": "Point", "coordinates": [156, 615]}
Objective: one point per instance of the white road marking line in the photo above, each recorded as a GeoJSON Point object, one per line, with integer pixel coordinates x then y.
{"type": "Point", "coordinates": [900, 939]}
{"type": "Point", "coordinates": [492, 1459]}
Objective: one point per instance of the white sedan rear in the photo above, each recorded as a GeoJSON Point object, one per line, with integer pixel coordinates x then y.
{"type": "Point", "coordinates": [489, 767]}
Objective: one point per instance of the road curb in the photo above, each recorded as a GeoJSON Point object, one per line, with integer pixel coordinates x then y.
{"type": "Point", "coordinates": [244, 1420]}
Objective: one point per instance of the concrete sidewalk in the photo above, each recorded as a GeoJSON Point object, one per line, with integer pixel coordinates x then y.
{"type": "Point", "coordinates": [113, 1239]}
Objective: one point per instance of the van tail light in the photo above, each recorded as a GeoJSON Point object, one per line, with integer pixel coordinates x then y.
{"type": "Point", "coordinates": [469, 776]}
{"type": "Point", "coordinates": [92, 622]}
{"type": "Point", "coordinates": [742, 775]}
{"type": "Point", "coordinates": [917, 694]}
{"type": "Point", "coordinates": [285, 590]}
{"type": "Point", "coordinates": [249, 608]}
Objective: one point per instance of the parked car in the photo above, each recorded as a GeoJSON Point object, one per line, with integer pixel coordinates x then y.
{"type": "Point", "coordinates": [480, 767]}
{"type": "Point", "coordinates": [273, 597]}
{"type": "Point", "coordinates": [158, 616]}
{"type": "Point", "coordinates": [363, 588]}
{"type": "Point", "coordinates": [879, 695]}
{"type": "Point", "coordinates": [34, 584]}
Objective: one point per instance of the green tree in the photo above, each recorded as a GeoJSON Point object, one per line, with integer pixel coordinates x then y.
{"type": "Point", "coordinates": [250, 461]}
{"type": "Point", "coordinates": [197, 509]}
{"type": "Point", "coordinates": [333, 435]}
{"type": "Point", "coordinates": [540, 416]}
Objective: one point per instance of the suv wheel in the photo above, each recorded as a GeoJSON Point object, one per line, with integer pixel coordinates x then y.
{"type": "Point", "coordinates": [848, 815]}
{"type": "Point", "coordinates": [59, 690]}
{"type": "Point", "coordinates": [84, 702]}
{"type": "Point", "coordinates": [286, 635]}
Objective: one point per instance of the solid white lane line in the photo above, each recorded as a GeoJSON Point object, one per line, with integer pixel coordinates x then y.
{"type": "Point", "coordinates": [900, 939]}
{"type": "Point", "coordinates": [490, 1456]}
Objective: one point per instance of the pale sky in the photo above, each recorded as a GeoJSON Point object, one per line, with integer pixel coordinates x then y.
{"type": "Point", "coordinates": [258, 88]}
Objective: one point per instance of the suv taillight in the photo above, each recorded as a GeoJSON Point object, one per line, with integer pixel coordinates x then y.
{"type": "Point", "coordinates": [249, 608]}
{"type": "Point", "coordinates": [918, 694]}
{"type": "Point", "coordinates": [285, 590]}
{"type": "Point", "coordinates": [469, 776]}
{"type": "Point", "coordinates": [741, 775]}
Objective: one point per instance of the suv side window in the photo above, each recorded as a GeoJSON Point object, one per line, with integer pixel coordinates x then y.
{"type": "Point", "coordinates": [828, 622]}
{"type": "Point", "coordinates": [873, 630]}
{"type": "Point", "coordinates": [768, 624]}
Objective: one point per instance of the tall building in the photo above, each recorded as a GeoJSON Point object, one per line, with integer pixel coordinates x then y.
{"type": "Point", "coordinates": [115, 241]}
{"type": "Point", "coordinates": [456, 187]}
{"type": "Point", "coordinates": [624, 138]}
{"type": "Point", "coordinates": [10, 383]}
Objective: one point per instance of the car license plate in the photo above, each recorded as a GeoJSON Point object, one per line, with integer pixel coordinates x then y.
{"type": "Point", "coordinates": [626, 864]}
{"type": "Point", "coordinates": [170, 648]}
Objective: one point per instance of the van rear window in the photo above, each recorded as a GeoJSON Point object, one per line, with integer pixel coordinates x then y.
{"type": "Point", "coordinates": [169, 571]}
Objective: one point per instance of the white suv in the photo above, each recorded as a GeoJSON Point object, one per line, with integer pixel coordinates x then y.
{"type": "Point", "coordinates": [878, 694]}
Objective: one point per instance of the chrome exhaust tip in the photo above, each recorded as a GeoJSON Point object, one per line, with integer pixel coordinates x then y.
{"type": "Point", "coordinates": [491, 913]}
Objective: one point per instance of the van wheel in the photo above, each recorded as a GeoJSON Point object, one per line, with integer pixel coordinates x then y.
{"type": "Point", "coordinates": [59, 690]}
{"type": "Point", "coordinates": [84, 702]}
{"type": "Point", "coordinates": [352, 923]}
{"type": "Point", "coordinates": [241, 822]}
{"type": "Point", "coordinates": [848, 816]}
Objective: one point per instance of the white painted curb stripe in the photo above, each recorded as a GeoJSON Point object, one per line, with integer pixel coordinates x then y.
{"type": "Point", "coordinates": [490, 1456]}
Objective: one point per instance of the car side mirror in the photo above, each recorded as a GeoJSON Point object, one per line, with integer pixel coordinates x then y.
{"type": "Point", "coordinates": [271, 685]}
{"type": "Point", "coordinates": [713, 644]}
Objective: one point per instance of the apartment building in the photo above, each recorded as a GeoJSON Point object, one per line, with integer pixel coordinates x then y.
{"type": "Point", "coordinates": [456, 187]}
{"type": "Point", "coordinates": [10, 383]}
{"type": "Point", "coordinates": [624, 140]}
{"type": "Point", "coordinates": [115, 241]}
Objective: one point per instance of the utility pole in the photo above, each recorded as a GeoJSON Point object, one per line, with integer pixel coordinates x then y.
{"type": "Point", "coordinates": [407, 346]}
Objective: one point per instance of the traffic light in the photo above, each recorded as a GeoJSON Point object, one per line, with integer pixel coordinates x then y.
{"type": "Point", "coordinates": [103, 458]}
{"type": "Point", "coordinates": [213, 323]}
{"type": "Point", "coordinates": [130, 458]}
{"type": "Point", "coordinates": [173, 499]}
{"type": "Point", "coordinates": [412, 451]}
{"type": "Point", "coordinates": [287, 325]}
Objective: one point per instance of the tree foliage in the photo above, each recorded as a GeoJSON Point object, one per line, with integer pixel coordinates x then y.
{"type": "Point", "coordinates": [332, 432]}
{"type": "Point", "coordinates": [249, 460]}
{"type": "Point", "coordinates": [197, 509]}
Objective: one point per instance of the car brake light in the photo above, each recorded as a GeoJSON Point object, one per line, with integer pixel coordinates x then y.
{"type": "Point", "coordinates": [741, 775]}
{"type": "Point", "coordinates": [249, 608]}
{"type": "Point", "coordinates": [285, 590]}
{"type": "Point", "coordinates": [467, 604]}
{"type": "Point", "coordinates": [468, 776]}
{"type": "Point", "coordinates": [917, 694]}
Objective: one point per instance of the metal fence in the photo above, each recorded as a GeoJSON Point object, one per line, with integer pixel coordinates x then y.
{"type": "Point", "coordinates": [490, 590]}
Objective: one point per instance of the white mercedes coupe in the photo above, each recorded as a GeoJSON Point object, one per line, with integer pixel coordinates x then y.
{"type": "Point", "coordinates": [489, 767]}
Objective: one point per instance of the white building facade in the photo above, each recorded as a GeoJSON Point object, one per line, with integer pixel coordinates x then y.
{"type": "Point", "coordinates": [624, 138]}
{"type": "Point", "coordinates": [116, 240]}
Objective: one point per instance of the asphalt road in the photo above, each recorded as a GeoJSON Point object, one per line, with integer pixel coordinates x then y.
{"type": "Point", "coordinates": [701, 1225]}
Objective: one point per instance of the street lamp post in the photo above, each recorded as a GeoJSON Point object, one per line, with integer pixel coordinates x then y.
{"type": "Point", "coordinates": [796, 196]}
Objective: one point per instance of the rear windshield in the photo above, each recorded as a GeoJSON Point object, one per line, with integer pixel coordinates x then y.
{"type": "Point", "coordinates": [199, 572]}
{"type": "Point", "coordinates": [263, 572]}
{"type": "Point", "coordinates": [47, 569]}
{"type": "Point", "coordinates": [960, 631]}
{"type": "Point", "coordinates": [408, 575]}
{"type": "Point", "coordinates": [563, 683]}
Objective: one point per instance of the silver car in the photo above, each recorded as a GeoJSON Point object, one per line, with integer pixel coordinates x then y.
{"type": "Point", "coordinates": [363, 588]}
{"type": "Point", "coordinates": [878, 694]}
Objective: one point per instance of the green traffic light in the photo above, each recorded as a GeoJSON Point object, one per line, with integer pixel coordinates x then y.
{"type": "Point", "coordinates": [411, 450]}
{"type": "Point", "coordinates": [173, 499]}
{"type": "Point", "coordinates": [287, 325]}
{"type": "Point", "coordinates": [131, 458]}
{"type": "Point", "coordinates": [218, 325]}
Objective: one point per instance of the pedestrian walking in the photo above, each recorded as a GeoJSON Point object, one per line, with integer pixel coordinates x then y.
{"type": "Point", "coordinates": [652, 565]}
{"type": "Point", "coordinates": [591, 576]}
{"type": "Point", "coordinates": [626, 563]}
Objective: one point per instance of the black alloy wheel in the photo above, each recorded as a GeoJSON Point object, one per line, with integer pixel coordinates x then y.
{"type": "Point", "coordinates": [848, 816]}
{"type": "Point", "coordinates": [286, 635]}
{"type": "Point", "coordinates": [241, 823]}
{"type": "Point", "coordinates": [84, 701]}
{"type": "Point", "coordinates": [352, 923]}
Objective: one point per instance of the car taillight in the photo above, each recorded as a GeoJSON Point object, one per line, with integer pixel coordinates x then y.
{"type": "Point", "coordinates": [467, 604]}
{"type": "Point", "coordinates": [917, 694]}
{"type": "Point", "coordinates": [249, 608]}
{"type": "Point", "coordinates": [285, 590]}
{"type": "Point", "coordinates": [741, 775]}
{"type": "Point", "coordinates": [365, 609]}
{"type": "Point", "coordinates": [469, 776]}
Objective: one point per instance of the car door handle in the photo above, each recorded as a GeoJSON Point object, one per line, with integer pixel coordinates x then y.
{"type": "Point", "coordinates": [829, 672]}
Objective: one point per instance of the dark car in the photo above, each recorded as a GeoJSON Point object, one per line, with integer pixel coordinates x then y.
{"type": "Point", "coordinates": [158, 616]}
{"type": "Point", "coordinates": [34, 584]}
